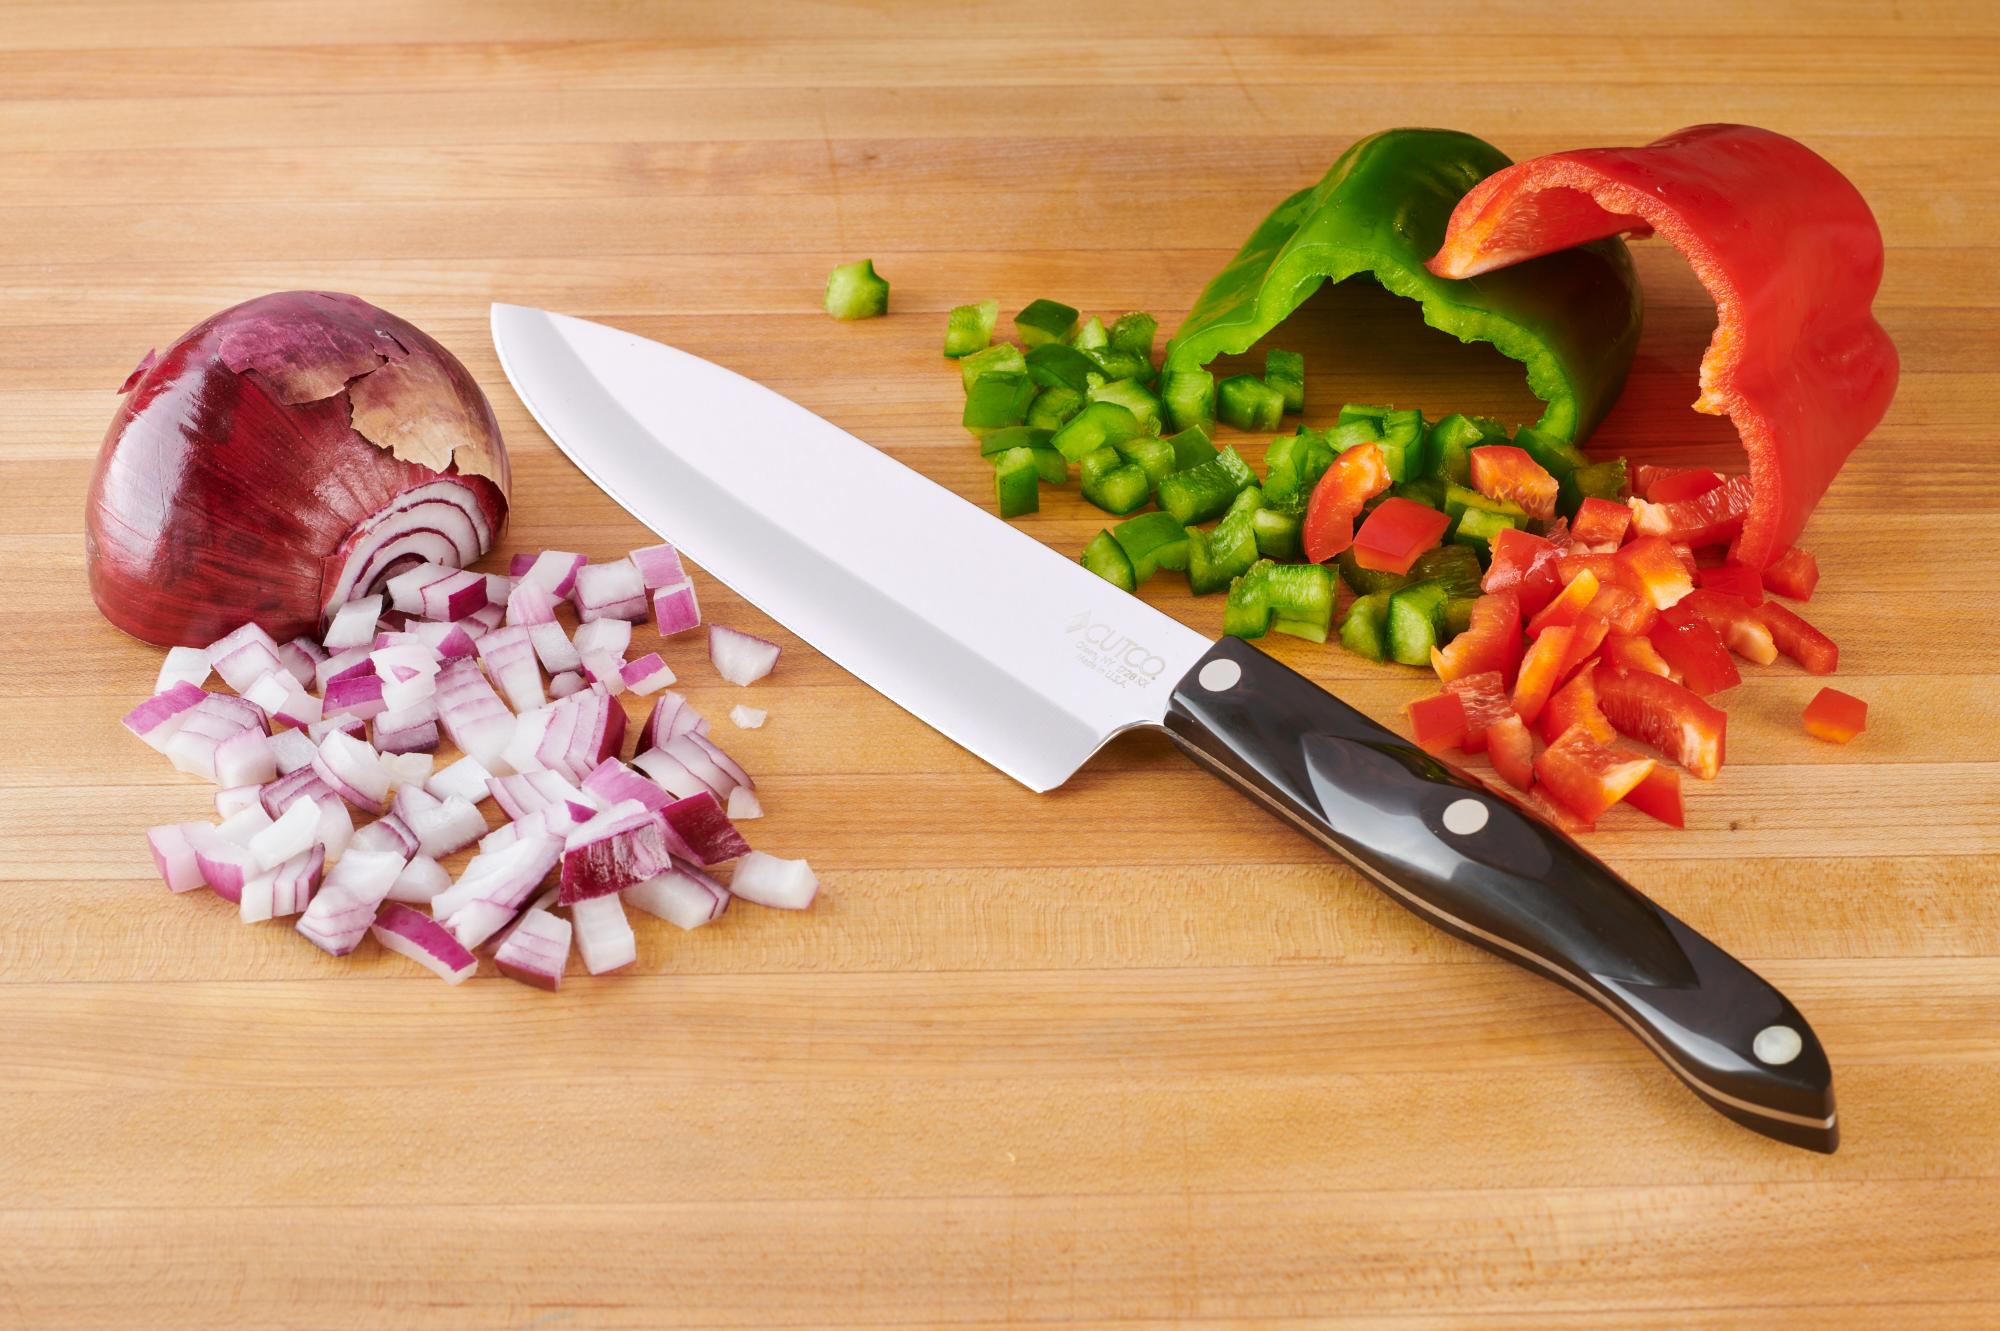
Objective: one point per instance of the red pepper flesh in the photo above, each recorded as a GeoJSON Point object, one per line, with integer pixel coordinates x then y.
{"type": "Point", "coordinates": [1798, 639]}
{"type": "Point", "coordinates": [1356, 476]}
{"type": "Point", "coordinates": [1784, 244]}
{"type": "Point", "coordinates": [1794, 573]}
{"type": "Point", "coordinates": [1397, 532]}
{"type": "Point", "coordinates": [1833, 715]}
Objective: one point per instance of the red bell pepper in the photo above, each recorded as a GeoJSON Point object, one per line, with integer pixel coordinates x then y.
{"type": "Point", "coordinates": [1588, 776]}
{"type": "Point", "coordinates": [1491, 641]}
{"type": "Point", "coordinates": [1679, 483]}
{"type": "Point", "coordinates": [1697, 653]}
{"type": "Point", "coordinates": [1645, 475]}
{"type": "Point", "coordinates": [1833, 715]}
{"type": "Point", "coordinates": [1650, 567]}
{"type": "Point", "coordinates": [1735, 579]}
{"type": "Point", "coordinates": [1397, 532]}
{"type": "Point", "coordinates": [1485, 701]}
{"type": "Point", "coordinates": [1541, 671]}
{"type": "Point", "coordinates": [1575, 560]}
{"type": "Point", "coordinates": [1794, 573]}
{"type": "Point", "coordinates": [1512, 751]}
{"type": "Point", "coordinates": [1437, 723]}
{"type": "Point", "coordinates": [1659, 796]}
{"type": "Point", "coordinates": [1784, 244]}
{"type": "Point", "coordinates": [1714, 517]}
{"type": "Point", "coordinates": [1617, 606]}
{"type": "Point", "coordinates": [1502, 471]}
{"type": "Point", "coordinates": [1600, 524]}
{"type": "Point", "coordinates": [1634, 653]}
{"type": "Point", "coordinates": [1747, 634]}
{"type": "Point", "coordinates": [1798, 639]}
{"type": "Point", "coordinates": [1665, 715]}
{"type": "Point", "coordinates": [1575, 704]}
{"type": "Point", "coordinates": [1526, 565]}
{"type": "Point", "coordinates": [1356, 476]}
{"type": "Point", "coordinates": [1585, 637]}
{"type": "Point", "coordinates": [1568, 607]}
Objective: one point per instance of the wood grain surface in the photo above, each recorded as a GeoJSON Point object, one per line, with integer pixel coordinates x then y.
{"type": "Point", "coordinates": [1129, 1055]}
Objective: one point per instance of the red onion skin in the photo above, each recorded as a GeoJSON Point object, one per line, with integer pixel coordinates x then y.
{"type": "Point", "coordinates": [224, 495]}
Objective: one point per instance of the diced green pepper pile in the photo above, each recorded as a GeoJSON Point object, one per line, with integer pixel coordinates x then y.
{"type": "Point", "coordinates": [1087, 396]}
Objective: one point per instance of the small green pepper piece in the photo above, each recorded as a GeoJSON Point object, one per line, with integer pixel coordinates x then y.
{"type": "Point", "coordinates": [1016, 481]}
{"type": "Point", "coordinates": [1247, 612]}
{"type": "Point", "coordinates": [1134, 333]}
{"type": "Point", "coordinates": [969, 328]}
{"type": "Point", "coordinates": [1053, 407]}
{"type": "Point", "coordinates": [1277, 533]}
{"type": "Point", "coordinates": [1119, 490]}
{"type": "Point", "coordinates": [1207, 490]}
{"type": "Point", "coordinates": [1132, 396]}
{"type": "Point", "coordinates": [1096, 425]}
{"type": "Point", "coordinates": [1192, 447]}
{"type": "Point", "coordinates": [1477, 527]}
{"type": "Point", "coordinates": [1364, 629]}
{"type": "Point", "coordinates": [1190, 396]}
{"type": "Point", "coordinates": [1248, 403]}
{"type": "Point", "coordinates": [997, 400]}
{"type": "Point", "coordinates": [1003, 358]}
{"type": "Point", "coordinates": [1044, 321]}
{"type": "Point", "coordinates": [1416, 622]}
{"type": "Point", "coordinates": [1104, 558]}
{"type": "Point", "coordinates": [856, 291]}
{"type": "Point", "coordinates": [1055, 365]}
{"type": "Point", "coordinates": [1152, 541]}
{"type": "Point", "coordinates": [1091, 336]}
{"type": "Point", "coordinates": [1593, 480]}
{"type": "Point", "coordinates": [1286, 372]}
{"type": "Point", "coordinates": [1152, 454]}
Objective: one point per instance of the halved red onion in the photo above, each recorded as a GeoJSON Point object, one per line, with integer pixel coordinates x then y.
{"type": "Point", "coordinates": [243, 655]}
{"type": "Point", "coordinates": [421, 879]}
{"type": "Point", "coordinates": [625, 844]}
{"type": "Point", "coordinates": [701, 824]}
{"type": "Point", "coordinates": [609, 591]}
{"type": "Point", "coordinates": [301, 657]}
{"type": "Point", "coordinates": [770, 881]}
{"type": "Point", "coordinates": [535, 951]}
{"type": "Point", "coordinates": [415, 935]}
{"type": "Point", "coordinates": [278, 460]}
{"type": "Point", "coordinates": [341, 912]}
{"type": "Point", "coordinates": [355, 772]}
{"type": "Point", "coordinates": [647, 675]}
{"type": "Point", "coordinates": [676, 609]}
{"type": "Point", "coordinates": [174, 855]}
{"type": "Point", "coordinates": [354, 623]}
{"type": "Point", "coordinates": [614, 783]}
{"type": "Point", "coordinates": [185, 664]}
{"type": "Point", "coordinates": [683, 896]}
{"type": "Point", "coordinates": [554, 570]}
{"type": "Point", "coordinates": [473, 715]}
{"type": "Point", "coordinates": [658, 565]}
{"type": "Point", "coordinates": [509, 657]}
{"type": "Point", "coordinates": [747, 718]}
{"type": "Point", "coordinates": [467, 778]}
{"type": "Point", "coordinates": [156, 719]}
{"type": "Point", "coordinates": [740, 658]}
{"type": "Point", "coordinates": [284, 699]}
{"type": "Point", "coordinates": [603, 935]}
{"type": "Point", "coordinates": [743, 804]}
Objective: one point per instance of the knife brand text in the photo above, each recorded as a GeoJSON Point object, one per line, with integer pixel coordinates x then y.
{"type": "Point", "coordinates": [1112, 653]}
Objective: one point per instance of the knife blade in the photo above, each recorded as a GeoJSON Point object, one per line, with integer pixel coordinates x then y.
{"type": "Point", "coordinates": [1032, 662]}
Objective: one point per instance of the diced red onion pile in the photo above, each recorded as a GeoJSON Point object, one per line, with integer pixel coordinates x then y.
{"type": "Point", "coordinates": [317, 736]}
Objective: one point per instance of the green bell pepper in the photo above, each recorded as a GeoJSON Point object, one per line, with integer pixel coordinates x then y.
{"type": "Point", "coordinates": [969, 328]}
{"type": "Point", "coordinates": [1248, 403]}
{"type": "Point", "coordinates": [1190, 396]}
{"type": "Point", "coordinates": [1571, 318]}
{"type": "Point", "coordinates": [1044, 321]}
{"type": "Point", "coordinates": [1107, 559]}
{"type": "Point", "coordinates": [1152, 541]}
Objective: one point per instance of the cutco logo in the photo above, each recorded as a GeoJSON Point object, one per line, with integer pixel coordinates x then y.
{"type": "Point", "coordinates": [1112, 653]}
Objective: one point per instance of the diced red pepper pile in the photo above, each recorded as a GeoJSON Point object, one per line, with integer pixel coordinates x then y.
{"type": "Point", "coordinates": [1588, 671]}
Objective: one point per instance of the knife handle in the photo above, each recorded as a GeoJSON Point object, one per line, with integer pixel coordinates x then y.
{"type": "Point", "coordinates": [1475, 864]}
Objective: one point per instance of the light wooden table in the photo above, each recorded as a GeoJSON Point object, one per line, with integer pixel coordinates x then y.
{"type": "Point", "coordinates": [1125, 1055]}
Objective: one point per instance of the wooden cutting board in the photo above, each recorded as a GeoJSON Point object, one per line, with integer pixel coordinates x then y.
{"type": "Point", "coordinates": [1129, 1054]}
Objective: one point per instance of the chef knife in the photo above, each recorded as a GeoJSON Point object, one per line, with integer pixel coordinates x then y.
{"type": "Point", "coordinates": [1032, 662]}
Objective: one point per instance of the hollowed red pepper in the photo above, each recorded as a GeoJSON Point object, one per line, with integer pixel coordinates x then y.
{"type": "Point", "coordinates": [1784, 244]}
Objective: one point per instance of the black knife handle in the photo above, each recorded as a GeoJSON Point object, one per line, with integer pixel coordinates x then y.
{"type": "Point", "coordinates": [1475, 864]}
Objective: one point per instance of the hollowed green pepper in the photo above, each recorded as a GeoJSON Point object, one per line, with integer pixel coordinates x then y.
{"type": "Point", "coordinates": [1572, 318]}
